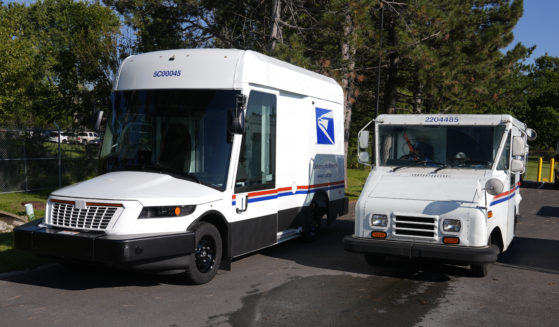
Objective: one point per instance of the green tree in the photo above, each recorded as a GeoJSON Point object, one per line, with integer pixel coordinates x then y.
{"type": "Point", "coordinates": [61, 55]}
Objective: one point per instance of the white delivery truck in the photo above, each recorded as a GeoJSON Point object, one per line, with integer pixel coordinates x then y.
{"type": "Point", "coordinates": [443, 187]}
{"type": "Point", "coordinates": [209, 154]}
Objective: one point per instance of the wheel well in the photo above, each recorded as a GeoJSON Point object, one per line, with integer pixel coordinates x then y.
{"type": "Point", "coordinates": [497, 238]}
{"type": "Point", "coordinates": [216, 219]}
{"type": "Point", "coordinates": [321, 199]}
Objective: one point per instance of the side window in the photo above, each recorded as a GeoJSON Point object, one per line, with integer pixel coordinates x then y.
{"type": "Point", "coordinates": [257, 160]}
{"type": "Point", "coordinates": [505, 156]}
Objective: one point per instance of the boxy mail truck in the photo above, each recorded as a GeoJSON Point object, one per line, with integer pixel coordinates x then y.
{"type": "Point", "coordinates": [443, 187]}
{"type": "Point", "coordinates": [208, 154]}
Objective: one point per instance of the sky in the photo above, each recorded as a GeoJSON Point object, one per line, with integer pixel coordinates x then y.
{"type": "Point", "coordinates": [539, 26]}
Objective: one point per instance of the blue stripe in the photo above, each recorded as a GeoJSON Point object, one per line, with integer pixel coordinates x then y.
{"type": "Point", "coordinates": [264, 198]}
{"type": "Point", "coordinates": [506, 198]}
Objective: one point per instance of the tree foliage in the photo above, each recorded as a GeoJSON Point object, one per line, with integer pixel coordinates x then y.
{"type": "Point", "coordinates": [442, 56]}
{"type": "Point", "coordinates": [60, 56]}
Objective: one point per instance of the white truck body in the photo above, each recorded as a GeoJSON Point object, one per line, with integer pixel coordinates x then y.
{"type": "Point", "coordinates": [174, 163]}
{"type": "Point", "coordinates": [443, 187]}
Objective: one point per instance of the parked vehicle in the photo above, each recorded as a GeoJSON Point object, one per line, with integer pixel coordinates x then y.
{"type": "Point", "coordinates": [54, 137]}
{"type": "Point", "coordinates": [209, 154]}
{"type": "Point", "coordinates": [443, 187]}
{"type": "Point", "coordinates": [87, 137]}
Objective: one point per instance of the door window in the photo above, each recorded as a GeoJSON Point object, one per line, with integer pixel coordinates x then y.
{"type": "Point", "coordinates": [257, 160]}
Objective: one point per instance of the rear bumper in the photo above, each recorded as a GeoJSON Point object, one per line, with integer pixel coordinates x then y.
{"type": "Point", "coordinates": [156, 252]}
{"type": "Point", "coordinates": [439, 252]}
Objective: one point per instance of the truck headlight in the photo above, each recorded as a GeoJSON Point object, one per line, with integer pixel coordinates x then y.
{"type": "Point", "coordinates": [166, 212]}
{"type": "Point", "coordinates": [379, 220]}
{"type": "Point", "coordinates": [452, 225]}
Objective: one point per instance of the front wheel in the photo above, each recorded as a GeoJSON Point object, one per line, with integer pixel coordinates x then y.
{"type": "Point", "coordinates": [205, 261]}
{"type": "Point", "coordinates": [478, 269]}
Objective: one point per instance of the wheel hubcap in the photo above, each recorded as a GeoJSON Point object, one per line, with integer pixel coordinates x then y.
{"type": "Point", "coordinates": [205, 255]}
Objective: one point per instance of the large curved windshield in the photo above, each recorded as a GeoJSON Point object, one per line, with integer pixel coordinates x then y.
{"type": "Point", "coordinates": [440, 146]}
{"type": "Point", "coordinates": [182, 132]}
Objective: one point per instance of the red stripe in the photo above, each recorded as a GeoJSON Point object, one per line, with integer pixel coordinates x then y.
{"type": "Point", "coordinates": [506, 193]}
{"type": "Point", "coordinates": [263, 193]}
{"type": "Point", "coordinates": [284, 189]}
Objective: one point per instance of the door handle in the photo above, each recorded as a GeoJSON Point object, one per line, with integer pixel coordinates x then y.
{"type": "Point", "coordinates": [244, 204]}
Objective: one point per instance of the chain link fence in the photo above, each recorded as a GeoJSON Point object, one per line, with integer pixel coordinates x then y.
{"type": "Point", "coordinates": [37, 159]}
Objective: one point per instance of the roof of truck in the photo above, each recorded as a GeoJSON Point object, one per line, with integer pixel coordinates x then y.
{"type": "Point", "coordinates": [448, 119]}
{"type": "Point", "coordinates": [221, 69]}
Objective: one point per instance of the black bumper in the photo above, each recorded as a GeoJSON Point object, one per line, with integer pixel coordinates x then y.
{"type": "Point", "coordinates": [438, 252]}
{"type": "Point", "coordinates": [157, 252]}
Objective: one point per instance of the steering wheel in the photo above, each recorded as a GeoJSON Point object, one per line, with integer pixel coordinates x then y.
{"type": "Point", "coordinates": [412, 156]}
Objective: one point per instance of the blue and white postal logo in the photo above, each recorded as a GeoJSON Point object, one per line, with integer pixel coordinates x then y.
{"type": "Point", "coordinates": [324, 126]}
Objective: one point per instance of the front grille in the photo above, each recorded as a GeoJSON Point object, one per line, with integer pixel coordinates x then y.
{"type": "Point", "coordinates": [415, 226]}
{"type": "Point", "coordinates": [92, 217]}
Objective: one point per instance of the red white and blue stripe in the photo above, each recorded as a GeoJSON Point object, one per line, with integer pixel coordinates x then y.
{"type": "Point", "coordinates": [505, 196]}
{"type": "Point", "coordinates": [259, 196]}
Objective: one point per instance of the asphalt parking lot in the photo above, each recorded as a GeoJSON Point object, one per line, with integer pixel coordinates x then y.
{"type": "Point", "coordinates": [310, 284]}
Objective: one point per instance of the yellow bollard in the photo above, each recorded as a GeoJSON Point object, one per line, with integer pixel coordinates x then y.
{"type": "Point", "coordinates": [540, 164]}
{"type": "Point", "coordinates": [551, 170]}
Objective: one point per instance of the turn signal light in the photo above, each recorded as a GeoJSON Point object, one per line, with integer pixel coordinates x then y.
{"type": "Point", "coordinates": [451, 240]}
{"type": "Point", "coordinates": [378, 234]}
{"type": "Point", "coordinates": [489, 214]}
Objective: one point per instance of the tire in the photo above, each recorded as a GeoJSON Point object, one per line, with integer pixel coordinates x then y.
{"type": "Point", "coordinates": [374, 259]}
{"type": "Point", "coordinates": [205, 261]}
{"type": "Point", "coordinates": [478, 269]}
{"type": "Point", "coordinates": [312, 225]}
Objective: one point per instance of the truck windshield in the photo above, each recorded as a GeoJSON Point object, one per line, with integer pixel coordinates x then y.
{"type": "Point", "coordinates": [181, 132]}
{"type": "Point", "coordinates": [472, 147]}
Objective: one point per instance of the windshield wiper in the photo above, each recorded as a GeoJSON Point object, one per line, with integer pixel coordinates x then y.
{"type": "Point", "coordinates": [419, 163]}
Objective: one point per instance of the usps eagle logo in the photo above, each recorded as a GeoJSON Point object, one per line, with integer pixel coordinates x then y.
{"type": "Point", "coordinates": [324, 126]}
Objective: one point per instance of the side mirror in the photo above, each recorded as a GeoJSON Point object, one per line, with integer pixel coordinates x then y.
{"type": "Point", "coordinates": [518, 146]}
{"type": "Point", "coordinates": [363, 139]}
{"type": "Point", "coordinates": [531, 134]}
{"type": "Point", "coordinates": [494, 186]}
{"type": "Point", "coordinates": [97, 118]}
{"type": "Point", "coordinates": [363, 158]}
{"type": "Point", "coordinates": [237, 125]}
{"type": "Point", "coordinates": [517, 166]}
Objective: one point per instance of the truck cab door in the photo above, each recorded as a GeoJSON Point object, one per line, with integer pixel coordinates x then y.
{"type": "Point", "coordinates": [255, 222]}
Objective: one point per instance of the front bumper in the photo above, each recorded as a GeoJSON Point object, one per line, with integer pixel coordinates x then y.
{"type": "Point", "coordinates": [439, 252]}
{"type": "Point", "coordinates": [153, 252]}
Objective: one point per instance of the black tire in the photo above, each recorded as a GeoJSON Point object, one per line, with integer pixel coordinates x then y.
{"type": "Point", "coordinates": [478, 269]}
{"type": "Point", "coordinates": [205, 261]}
{"type": "Point", "coordinates": [374, 259]}
{"type": "Point", "coordinates": [314, 220]}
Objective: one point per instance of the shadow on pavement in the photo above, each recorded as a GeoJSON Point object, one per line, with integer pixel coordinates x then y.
{"type": "Point", "coordinates": [81, 278]}
{"type": "Point", "coordinates": [532, 253]}
{"type": "Point", "coordinates": [548, 211]}
{"type": "Point", "coordinates": [327, 253]}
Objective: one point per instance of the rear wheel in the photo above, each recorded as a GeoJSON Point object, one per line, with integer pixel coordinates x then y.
{"type": "Point", "coordinates": [205, 261]}
{"type": "Point", "coordinates": [314, 219]}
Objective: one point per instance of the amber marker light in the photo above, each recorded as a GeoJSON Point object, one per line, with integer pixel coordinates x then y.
{"type": "Point", "coordinates": [451, 240]}
{"type": "Point", "coordinates": [177, 211]}
{"type": "Point", "coordinates": [489, 214]}
{"type": "Point", "coordinates": [378, 234]}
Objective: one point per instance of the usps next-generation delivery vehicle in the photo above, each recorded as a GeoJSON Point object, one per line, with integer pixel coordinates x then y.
{"type": "Point", "coordinates": [208, 154]}
{"type": "Point", "coordinates": [443, 187]}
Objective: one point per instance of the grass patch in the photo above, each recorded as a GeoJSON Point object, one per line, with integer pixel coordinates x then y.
{"type": "Point", "coordinates": [11, 202]}
{"type": "Point", "coordinates": [12, 259]}
{"type": "Point", "coordinates": [355, 180]}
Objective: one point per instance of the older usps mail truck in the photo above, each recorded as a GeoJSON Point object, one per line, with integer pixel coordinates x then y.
{"type": "Point", "coordinates": [208, 154]}
{"type": "Point", "coordinates": [443, 187]}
